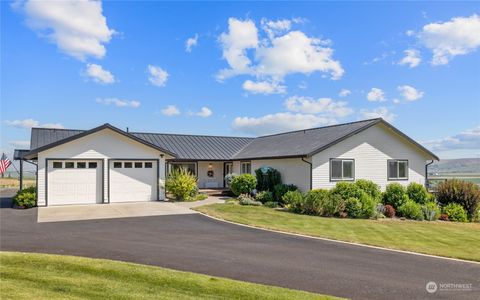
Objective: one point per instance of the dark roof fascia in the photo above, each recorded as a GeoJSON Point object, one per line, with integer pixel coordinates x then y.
{"type": "Point", "coordinates": [268, 157]}
{"type": "Point", "coordinates": [32, 153]}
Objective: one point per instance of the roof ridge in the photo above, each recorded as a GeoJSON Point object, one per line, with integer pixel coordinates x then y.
{"type": "Point", "coordinates": [59, 129]}
{"type": "Point", "coordinates": [200, 135]}
{"type": "Point", "coordinates": [321, 127]}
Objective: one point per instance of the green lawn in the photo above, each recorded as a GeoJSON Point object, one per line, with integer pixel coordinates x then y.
{"type": "Point", "coordinates": [43, 276]}
{"type": "Point", "coordinates": [458, 240]}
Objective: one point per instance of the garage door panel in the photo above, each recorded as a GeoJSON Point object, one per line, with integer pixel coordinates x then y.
{"type": "Point", "coordinates": [137, 182]}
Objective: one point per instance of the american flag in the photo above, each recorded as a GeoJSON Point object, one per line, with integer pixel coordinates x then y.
{"type": "Point", "coordinates": [4, 163]}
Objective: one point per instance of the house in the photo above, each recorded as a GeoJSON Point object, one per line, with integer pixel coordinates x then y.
{"type": "Point", "coordinates": [107, 164]}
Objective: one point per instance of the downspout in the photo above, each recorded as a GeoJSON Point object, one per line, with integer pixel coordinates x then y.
{"type": "Point", "coordinates": [311, 172]}
{"type": "Point", "coordinates": [426, 173]}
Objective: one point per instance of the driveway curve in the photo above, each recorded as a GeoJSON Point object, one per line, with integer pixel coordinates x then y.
{"type": "Point", "coordinates": [199, 244]}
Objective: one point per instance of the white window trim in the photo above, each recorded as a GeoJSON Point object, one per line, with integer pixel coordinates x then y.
{"type": "Point", "coordinates": [242, 163]}
{"type": "Point", "coordinates": [343, 178]}
{"type": "Point", "coordinates": [398, 170]}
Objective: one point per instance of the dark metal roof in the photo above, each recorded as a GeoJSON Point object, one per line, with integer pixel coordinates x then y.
{"type": "Point", "coordinates": [45, 136]}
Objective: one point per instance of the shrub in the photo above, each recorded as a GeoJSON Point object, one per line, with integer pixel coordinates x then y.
{"type": "Point", "coordinates": [347, 190]}
{"type": "Point", "coordinates": [418, 193]}
{"type": "Point", "coordinates": [431, 211]}
{"type": "Point", "coordinates": [246, 199]}
{"type": "Point", "coordinates": [411, 210]}
{"type": "Point", "coordinates": [353, 207]}
{"type": "Point", "coordinates": [267, 178]}
{"type": "Point", "coordinates": [181, 184]}
{"type": "Point", "coordinates": [389, 211]}
{"type": "Point", "coordinates": [229, 178]}
{"type": "Point", "coordinates": [369, 205]}
{"type": "Point", "coordinates": [243, 184]}
{"type": "Point", "coordinates": [26, 198]}
{"type": "Point", "coordinates": [371, 188]}
{"type": "Point", "coordinates": [455, 212]}
{"type": "Point", "coordinates": [315, 202]}
{"type": "Point", "coordinates": [281, 189]}
{"type": "Point", "coordinates": [443, 217]}
{"type": "Point", "coordinates": [271, 204]}
{"type": "Point", "coordinates": [201, 196]}
{"type": "Point", "coordinates": [467, 194]}
{"type": "Point", "coordinates": [476, 218]}
{"type": "Point", "coordinates": [293, 201]}
{"type": "Point", "coordinates": [395, 195]}
{"type": "Point", "coordinates": [264, 196]}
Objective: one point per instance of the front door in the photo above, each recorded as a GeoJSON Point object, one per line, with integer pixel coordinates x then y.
{"type": "Point", "coordinates": [227, 169]}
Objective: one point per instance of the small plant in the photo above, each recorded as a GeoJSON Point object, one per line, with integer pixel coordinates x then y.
{"type": "Point", "coordinates": [455, 212]}
{"type": "Point", "coordinates": [411, 210]}
{"type": "Point", "coordinates": [353, 207]}
{"type": "Point", "coordinates": [181, 184]}
{"type": "Point", "coordinates": [281, 189]}
{"type": "Point", "coordinates": [201, 196]}
{"type": "Point", "coordinates": [431, 211]}
{"type": "Point", "coordinates": [26, 198]}
{"type": "Point", "coordinates": [246, 199]}
{"type": "Point", "coordinates": [264, 196]}
{"type": "Point", "coordinates": [293, 201]}
{"type": "Point", "coordinates": [243, 184]}
{"type": "Point", "coordinates": [389, 211]}
{"type": "Point", "coordinates": [395, 195]}
{"type": "Point", "coordinates": [467, 194]}
{"type": "Point", "coordinates": [418, 193]}
{"type": "Point", "coordinates": [371, 188]}
{"type": "Point", "coordinates": [271, 204]}
{"type": "Point", "coordinates": [267, 178]}
{"type": "Point", "coordinates": [443, 217]}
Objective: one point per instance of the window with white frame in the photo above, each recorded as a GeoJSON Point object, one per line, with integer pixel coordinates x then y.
{"type": "Point", "coordinates": [342, 169]}
{"type": "Point", "coordinates": [189, 166]}
{"type": "Point", "coordinates": [397, 169]}
{"type": "Point", "coordinates": [245, 167]}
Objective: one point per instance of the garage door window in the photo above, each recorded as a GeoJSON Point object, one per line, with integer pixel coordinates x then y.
{"type": "Point", "coordinates": [117, 165]}
{"type": "Point", "coordinates": [148, 165]}
{"type": "Point", "coordinates": [127, 165]}
{"type": "Point", "coordinates": [69, 165]}
{"type": "Point", "coordinates": [57, 165]}
{"type": "Point", "coordinates": [92, 165]}
{"type": "Point", "coordinates": [81, 165]}
{"type": "Point", "coordinates": [138, 165]}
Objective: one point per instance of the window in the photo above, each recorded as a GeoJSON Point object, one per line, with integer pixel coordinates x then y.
{"type": "Point", "coordinates": [69, 165]}
{"type": "Point", "coordinates": [117, 164]}
{"type": "Point", "coordinates": [138, 165]}
{"type": "Point", "coordinates": [127, 165]}
{"type": "Point", "coordinates": [397, 169]}
{"type": "Point", "coordinates": [57, 165]}
{"type": "Point", "coordinates": [148, 165]}
{"type": "Point", "coordinates": [92, 165]}
{"type": "Point", "coordinates": [245, 167]}
{"type": "Point", "coordinates": [190, 167]}
{"type": "Point", "coordinates": [342, 169]}
{"type": "Point", "coordinates": [81, 165]}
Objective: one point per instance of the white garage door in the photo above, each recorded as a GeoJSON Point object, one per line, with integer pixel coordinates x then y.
{"type": "Point", "coordinates": [74, 182]}
{"type": "Point", "coordinates": [132, 181]}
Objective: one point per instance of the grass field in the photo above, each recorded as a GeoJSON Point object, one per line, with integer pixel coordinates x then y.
{"type": "Point", "coordinates": [42, 276]}
{"type": "Point", "coordinates": [458, 240]}
{"type": "Point", "coordinates": [14, 183]}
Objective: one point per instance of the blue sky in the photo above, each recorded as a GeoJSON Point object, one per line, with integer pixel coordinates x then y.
{"type": "Point", "coordinates": [242, 68]}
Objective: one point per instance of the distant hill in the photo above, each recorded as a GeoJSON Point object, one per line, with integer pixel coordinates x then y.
{"type": "Point", "coordinates": [460, 165]}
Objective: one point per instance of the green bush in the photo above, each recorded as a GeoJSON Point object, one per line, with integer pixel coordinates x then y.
{"type": "Point", "coordinates": [181, 184]}
{"type": "Point", "coordinates": [347, 190]}
{"type": "Point", "coordinates": [264, 196]}
{"type": "Point", "coordinates": [455, 212]}
{"type": "Point", "coordinates": [26, 198]}
{"type": "Point", "coordinates": [411, 210]}
{"type": "Point", "coordinates": [315, 202]}
{"type": "Point", "coordinates": [371, 188]}
{"type": "Point", "coordinates": [418, 193]}
{"type": "Point", "coordinates": [395, 195]}
{"type": "Point", "coordinates": [201, 196]}
{"type": "Point", "coordinates": [243, 184]}
{"type": "Point", "coordinates": [431, 211]}
{"type": "Point", "coordinates": [467, 194]}
{"type": "Point", "coordinates": [476, 218]}
{"type": "Point", "coordinates": [281, 189]}
{"type": "Point", "coordinates": [369, 205]}
{"type": "Point", "coordinates": [229, 177]}
{"type": "Point", "coordinates": [353, 207]}
{"type": "Point", "coordinates": [246, 199]}
{"type": "Point", "coordinates": [267, 178]}
{"type": "Point", "coordinates": [293, 201]}
{"type": "Point", "coordinates": [271, 204]}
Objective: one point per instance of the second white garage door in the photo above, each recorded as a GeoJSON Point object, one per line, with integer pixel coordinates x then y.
{"type": "Point", "coordinates": [133, 181]}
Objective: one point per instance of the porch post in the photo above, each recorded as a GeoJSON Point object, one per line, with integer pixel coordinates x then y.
{"type": "Point", "coordinates": [21, 174]}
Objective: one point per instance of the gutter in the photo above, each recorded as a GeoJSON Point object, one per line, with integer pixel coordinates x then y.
{"type": "Point", "coordinates": [311, 172]}
{"type": "Point", "coordinates": [426, 173]}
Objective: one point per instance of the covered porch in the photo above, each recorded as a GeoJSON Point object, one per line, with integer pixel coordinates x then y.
{"type": "Point", "coordinates": [210, 173]}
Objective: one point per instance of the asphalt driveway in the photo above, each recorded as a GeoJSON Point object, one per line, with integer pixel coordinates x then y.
{"type": "Point", "coordinates": [193, 242]}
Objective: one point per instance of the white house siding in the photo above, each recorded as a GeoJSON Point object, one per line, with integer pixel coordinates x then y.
{"type": "Point", "coordinates": [371, 149]}
{"type": "Point", "coordinates": [103, 145]}
{"type": "Point", "coordinates": [203, 180]}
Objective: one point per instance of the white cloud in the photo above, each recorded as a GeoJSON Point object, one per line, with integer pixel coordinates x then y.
{"type": "Point", "coordinates": [170, 110]}
{"type": "Point", "coordinates": [281, 53]}
{"type": "Point", "coordinates": [190, 43]}
{"type": "Point", "coordinates": [279, 122]}
{"type": "Point", "coordinates": [376, 95]}
{"type": "Point", "coordinates": [158, 76]}
{"type": "Point", "coordinates": [410, 93]}
{"type": "Point", "coordinates": [99, 74]}
{"type": "Point", "coordinates": [344, 93]}
{"type": "Point", "coordinates": [409, 33]}
{"type": "Point", "coordinates": [204, 112]}
{"type": "Point", "coordinates": [264, 87]}
{"type": "Point", "coordinates": [20, 144]}
{"type": "Point", "coordinates": [78, 28]}
{"type": "Point", "coordinates": [396, 101]}
{"type": "Point", "coordinates": [325, 106]}
{"type": "Point", "coordinates": [379, 112]}
{"type": "Point", "coordinates": [26, 123]}
{"type": "Point", "coordinates": [412, 58]}
{"type": "Point", "coordinates": [459, 36]}
{"type": "Point", "coordinates": [468, 139]}
{"type": "Point", "coordinates": [119, 102]}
